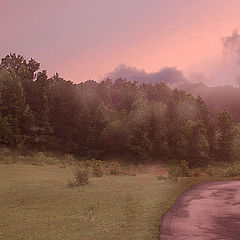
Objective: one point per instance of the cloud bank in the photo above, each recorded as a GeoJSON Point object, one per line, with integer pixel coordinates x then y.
{"type": "Point", "coordinates": [223, 70]}
{"type": "Point", "coordinates": [170, 75]}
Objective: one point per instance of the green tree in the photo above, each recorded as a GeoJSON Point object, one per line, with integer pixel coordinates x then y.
{"type": "Point", "coordinates": [175, 124]}
{"type": "Point", "coordinates": [197, 145]}
{"type": "Point", "coordinates": [204, 117]}
{"type": "Point", "coordinates": [158, 131]}
{"type": "Point", "coordinates": [115, 138]}
{"type": "Point", "coordinates": [225, 136]}
{"type": "Point", "coordinates": [6, 134]}
{"type": "Point", "coordinates": [69, 116]}
{"type": "Point", "coordinates": [101, 118]}
{"type": "Point", "coordinates": [139, 120]}
{"type": "Point", "coordinates": [12, 103]}
{"type": "Point", "coordinates": [123, 94]}
{"type": "Point", "coordinates": [24, 70]}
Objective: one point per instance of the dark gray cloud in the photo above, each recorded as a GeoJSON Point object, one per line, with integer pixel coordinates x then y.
{"type": "Point", "coordinates": [170, 75]}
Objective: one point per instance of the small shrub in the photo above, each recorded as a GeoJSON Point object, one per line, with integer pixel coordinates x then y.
{"type": "Point", "coordinates": [115, 169]}
{"type": "Point", "coordinates": [87, 164]}
{"type": "Point", "coordinates": [24, 159]}
{"type": "Point", "coordinates": [95, 167]}
{"type": "Point", "coordinates": [184, 168]}
{"type": "Point", "coordinates": [196, 172]}
{"type": "Point", "coordinates": [5, 152]}
{"type": "Point", "coordinates": [80, 177]}
{"type": "Point", "coordinates": [7, 159]}
{"type": "Point", "coordinates": [232, 171]}
{"type": "Point", "coordinates": [212, 171]}
{"type": "Point", "coordinates": [97, 171]}
{"type": "Point", "coordinates": [174, 174]}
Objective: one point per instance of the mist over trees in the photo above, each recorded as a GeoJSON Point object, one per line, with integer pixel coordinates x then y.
{"type": "Point", "coordinates": [123, 118]}
{"type": "Point", "coordinates": [217, 98]}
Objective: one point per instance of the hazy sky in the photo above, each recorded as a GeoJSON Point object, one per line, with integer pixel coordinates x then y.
{"type": "Point", "coordinates": [82, 39]}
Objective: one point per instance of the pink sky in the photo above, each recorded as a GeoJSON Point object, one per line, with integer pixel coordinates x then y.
{"type": "Point", "coordinates": [82, 39]}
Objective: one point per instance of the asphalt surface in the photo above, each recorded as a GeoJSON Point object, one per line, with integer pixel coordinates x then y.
{"type": "Point", "coordinates": [208, 211]}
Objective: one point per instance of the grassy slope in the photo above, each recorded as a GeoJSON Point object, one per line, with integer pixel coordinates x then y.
{"type": "Point", "coordinates": [36, 203]}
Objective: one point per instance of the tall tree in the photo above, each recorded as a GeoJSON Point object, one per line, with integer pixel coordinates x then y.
{"type": "Point", "coordinates": [204, 116]}
{"type": "Point", "coordinates": [25, 70]}
{"type": "Point", "coordinates": [197, 145]}
{"type": "Point", "coordinates": [226, 136]}
{"type": "Point", "coordinates": [12, 103]}
{"type": "Point", "coordinates": [175, 123]}
{"type": "Point", "coordinates": [139, 120]}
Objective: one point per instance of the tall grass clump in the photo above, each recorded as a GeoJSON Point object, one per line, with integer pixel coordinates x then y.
{"type": "Point", "coordinates": [80, 177]}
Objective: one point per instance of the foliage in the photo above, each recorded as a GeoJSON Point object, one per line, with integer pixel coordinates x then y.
{"type": "Point", "coordinates": [144, 121]}
{"type": "Point", "coordinates": [223, 169]}
{"type": "Point", "coordinates": [182, 170]}
{"type": "Point", "coordinates": [231, 171]}
{"type": "Point", "coordinates": [212, 171]}
{"type": "Point", "coordinates": [115, 168]}
{"type": "Point", "coordinates": [196, 172]}
{"type": "Point", "coordinates": [114, 137]}
{"type": "Point", "coordinates": [95, 167]}
{"type": "Point", "coordinates": [80, 177]}
{"type": "Point", "coordinates": [226, 136]}
{"type": "Point", "coordinates": [174, 173]}
{"type": "Point", "coordinates": [197, 145]}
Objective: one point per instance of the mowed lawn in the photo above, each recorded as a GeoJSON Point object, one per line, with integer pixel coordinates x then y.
{"type": "Point", "coordinates": [37, 203]}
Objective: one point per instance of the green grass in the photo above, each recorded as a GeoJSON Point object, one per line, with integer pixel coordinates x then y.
{"type": "Point", "coordinates": [36, 203]}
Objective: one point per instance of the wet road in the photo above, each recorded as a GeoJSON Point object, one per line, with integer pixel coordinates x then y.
{"type": "Point", "coordinates": [208, 211]}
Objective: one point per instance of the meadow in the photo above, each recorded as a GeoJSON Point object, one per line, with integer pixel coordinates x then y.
{"type": "Point", "coordinates": [36, 202]}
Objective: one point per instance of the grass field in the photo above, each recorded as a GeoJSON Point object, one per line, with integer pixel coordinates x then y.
{"type": "Point", "coordinates": [37, 203]}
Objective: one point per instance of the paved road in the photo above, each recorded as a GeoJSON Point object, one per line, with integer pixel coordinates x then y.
{"type": "Point", "coordinates": [208, 211]}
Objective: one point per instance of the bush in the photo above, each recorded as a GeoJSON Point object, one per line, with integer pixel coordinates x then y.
{"type": "Point", "coordinates": [182, 170]}
{"type": "Point", "coordinates": [232, 171]}
{"type": "Point", "coordinates": [196, 172]}
{"type": "Point", "coordinates": [95, 167]}
{"type": "Point", "coordinates": [7, 159]}
{"type": "Point", "coordinates": [97, 171]}
{"type": "Point", "coordinates": [215, 170]}
{"type": "Point", "coordinates": [6, 156]}
{"type": "Point", "coordinates": [115, 169]}
{"type": "Point", "coordinates": [38, 159]}
{"type": "Point", "coordinates": [174, 173]}
{"type": "Point", "coordinates": [80, 177]}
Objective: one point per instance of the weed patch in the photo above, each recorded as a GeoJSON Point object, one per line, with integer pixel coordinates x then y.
{"type": "Point", "coordinates": [80, 178]}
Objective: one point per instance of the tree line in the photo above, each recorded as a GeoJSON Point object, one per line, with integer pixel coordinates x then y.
{"type": "Point", "coordinates": [109, 118]}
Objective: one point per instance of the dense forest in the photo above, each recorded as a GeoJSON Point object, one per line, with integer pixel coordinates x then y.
{"type": "Point", "coordinates": [120, 118]}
